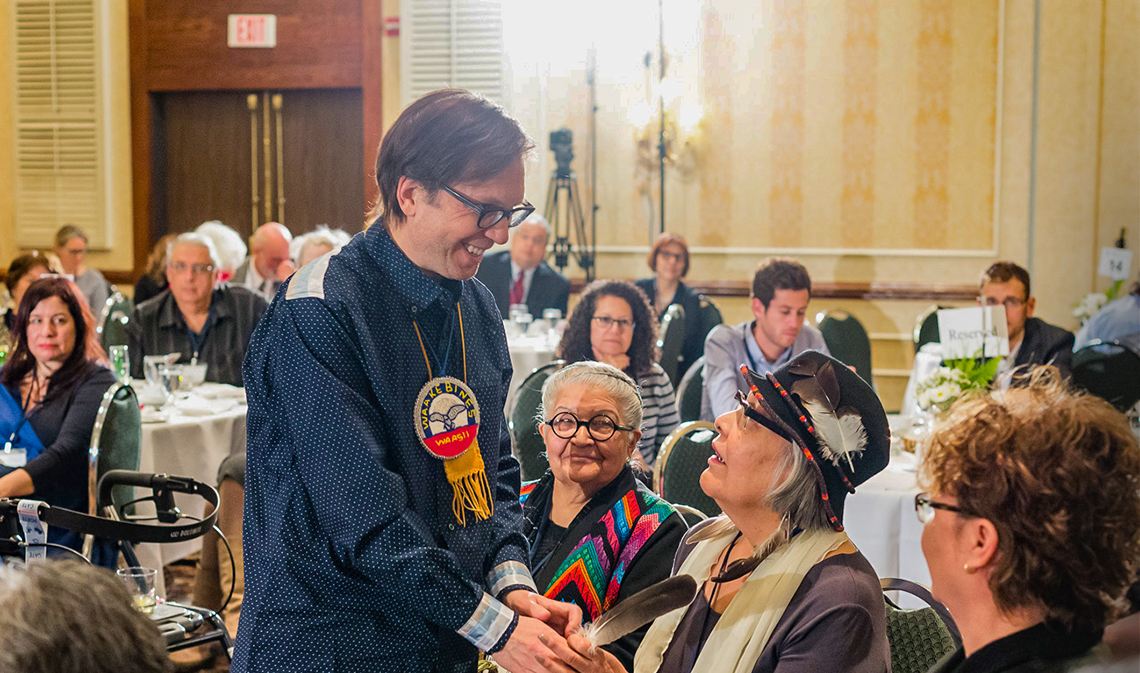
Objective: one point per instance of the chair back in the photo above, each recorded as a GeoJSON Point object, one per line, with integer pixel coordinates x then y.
{"type": "Point", "coordinates": [690, 391]}
{"type": "Point", "coordinates": [682, 458]}
{"type": "Point", "coordinates": [925, 328]}
{"type": "Point", "coordinates": [710, 316]}
{"type": "Point", "coordinates": [113, 319]}
{"type": "Point", "coordinates": [671, 340]}
{"type": "Point", "coordinates": [527, 443]}
{"type": "Point", "coordinates": [847, 340]}
{"type": "Point", "coordinates": [116, 444]}
{"type": "Point", "coordinates": [918, 638]}
{"type": "Point", "coordinates": [1110, 371]}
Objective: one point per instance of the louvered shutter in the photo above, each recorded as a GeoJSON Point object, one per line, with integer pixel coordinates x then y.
{"type": "Point", "coordinates": [451, 43]}
{"type": "Point", "coordinates": [58, 140]}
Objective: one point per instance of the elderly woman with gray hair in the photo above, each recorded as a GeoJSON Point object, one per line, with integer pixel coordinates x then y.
{"type": "Point", "coordinates": [782, 588]}
{"type": "Point", "coordinates": [597, 535]}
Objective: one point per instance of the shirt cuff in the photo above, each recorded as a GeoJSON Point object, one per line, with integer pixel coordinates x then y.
{"type": "Point", "coordinates": [508, 576]}
{"type": "Point", "coordinates": [490, 625]}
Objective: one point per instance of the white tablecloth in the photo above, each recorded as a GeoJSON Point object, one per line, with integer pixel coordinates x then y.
{"type": "Point", "coordinates": [527, 355]}
{"type": "Point", "coordinates": [926, 360]}
{"type": "Point", "coordinates": [880, 520]}
{"type": "Point", "coordinates": [189, 446]}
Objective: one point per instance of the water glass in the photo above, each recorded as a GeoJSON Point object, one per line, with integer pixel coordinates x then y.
{"type": "Point", "coordinates": [120, 362]}
{"type": "Point", "coordinates": [140, 583]}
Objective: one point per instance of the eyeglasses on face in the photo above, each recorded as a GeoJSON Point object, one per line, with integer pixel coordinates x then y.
{"type": "Point", "coordinates": [924, 507]}
{"type": "Point", "coordinates": [488, 215]}
{"type": "Point", "coordinates": [1008, 302]}
{"type": "Point", "coordinates": [196, 269]}
{"type": "Point", "coordinates": [670, 256]}
{"type": "Point", "coordinates": [600, 427]}
{"type": "Point", "coordinates": [760, 418]}
{"type": "Point", "coordinates": [606, 322]}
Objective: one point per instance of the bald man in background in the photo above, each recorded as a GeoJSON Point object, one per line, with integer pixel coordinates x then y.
{"type": "Point", "coordinates": [268, 263]}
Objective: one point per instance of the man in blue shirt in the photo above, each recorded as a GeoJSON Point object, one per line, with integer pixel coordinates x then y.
{"type": "Point", "coordinates": [364, 548]}
{"type": "Point", "coordinates": [781, 290]}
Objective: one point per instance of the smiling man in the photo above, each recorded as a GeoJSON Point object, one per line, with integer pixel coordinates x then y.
{"type": "Point", "coordinates": [382, 520]}
{"type": "Point", "coordinates": [781, 290]}
{"type": "Point", "coordinates": [522, 276]}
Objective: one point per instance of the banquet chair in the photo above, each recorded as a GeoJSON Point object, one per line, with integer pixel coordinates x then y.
{"type": "Point", "coordinates": [113, 319]}
{"type": "Point", "coordinates": [847, 340]}
{"type": "Point", "coordinates": [671, 340]}
{"type": "Point", "coordinates": [680, 461]}
{"type": "Point", "coordinates": [527, 443]}
{"type": "Point", "coordinates": [691, 515]}
{"type": "Point", "coordinates": [710, 316]}
{"type": "Point", "coordinates": [690, 390]}
{"type": "Point", "coordinates": [918, 638]}
{"type": "Point", "coordinates": [1109, 370]}
{"type": "Point", "coordinates": [926, 328]}
{"type": "Point", "coordinates": [116, 444]}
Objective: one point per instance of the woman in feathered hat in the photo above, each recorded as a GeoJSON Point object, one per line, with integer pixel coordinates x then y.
{"type": "Point", "coordinates": [781, 587]}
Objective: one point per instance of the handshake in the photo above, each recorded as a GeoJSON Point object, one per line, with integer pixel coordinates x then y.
{"type": "Point", "coordinates": [549, 638]}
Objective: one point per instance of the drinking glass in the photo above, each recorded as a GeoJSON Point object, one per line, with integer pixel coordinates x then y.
{"type": "Point", "coordinates": [140, 583]}
{"type": "Point", "coordinates": [120, 362]}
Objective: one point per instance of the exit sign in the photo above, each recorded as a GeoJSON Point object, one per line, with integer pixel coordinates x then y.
{"type": "Point", "coordinates": [252, 30]}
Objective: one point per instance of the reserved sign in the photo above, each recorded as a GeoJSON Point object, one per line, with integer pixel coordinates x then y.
{"type": "Point", "coordinates": [968, 332]}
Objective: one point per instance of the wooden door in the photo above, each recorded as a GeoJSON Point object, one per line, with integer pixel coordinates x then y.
{"type": "Point", "coordinates": [246, 158]}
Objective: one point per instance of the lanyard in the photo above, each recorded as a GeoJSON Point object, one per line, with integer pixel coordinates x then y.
{"type": "Point", "coordinates": [24, 404]}
{"type": "Point", "coordinates": [447, 353]}
{"type": "Point", "coordinates": [197, 338]}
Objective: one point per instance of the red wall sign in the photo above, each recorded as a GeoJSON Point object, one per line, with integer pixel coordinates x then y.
{"type": "Point", "coordinates": [252, 30]}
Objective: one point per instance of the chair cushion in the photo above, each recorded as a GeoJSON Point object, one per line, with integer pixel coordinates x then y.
{"type": "Point", "coordinates": [918, 639]}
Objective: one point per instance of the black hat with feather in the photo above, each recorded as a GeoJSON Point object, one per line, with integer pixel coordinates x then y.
{"type": "Point", "coordinates": [833, 416]}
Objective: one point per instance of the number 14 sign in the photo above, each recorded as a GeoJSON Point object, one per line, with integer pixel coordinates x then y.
{"type": "Point", "coordinates": [1115, 263]}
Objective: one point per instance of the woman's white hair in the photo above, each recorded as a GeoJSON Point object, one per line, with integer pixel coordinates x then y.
{"type": "Point", "coordinates": [195, 238]}
{"type": "Point", "coordinates": [322, 235]}
{"type": "Point", "coordinates": [605, 378]}
{"type": "Point", "coordinates": [228, 244]}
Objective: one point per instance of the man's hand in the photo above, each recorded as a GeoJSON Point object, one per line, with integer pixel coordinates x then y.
{"type": "Point", "coordinates": [529, 645]}
{"type": "Point", "coordinates": [565, 618]}
{"type": "Point", "coordinates": [573, 656]}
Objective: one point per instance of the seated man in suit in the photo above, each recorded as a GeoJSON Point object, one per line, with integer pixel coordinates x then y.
{"type": "Point", "coordinates": [522, 276]}
{"type": "Point", "coordinates": [268, 264]}
{"type": "Point", "coordinates": [781, 290]}
{"type": "Point", "coordinates": [203, 320]}
{"type": "Point", "coordinates": [1032, 341]}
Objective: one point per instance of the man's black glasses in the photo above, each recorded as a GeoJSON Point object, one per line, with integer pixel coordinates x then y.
{"type": "Point", "coordinates": [489, 215]}
{"type": "Point", "coordinates": [600, 427]}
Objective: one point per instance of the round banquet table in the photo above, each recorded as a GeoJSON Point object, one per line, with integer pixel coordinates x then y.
{"type": "Point", "coordinates": [527, 354]}
{"type": "Point", "coordinates": [190, 446]}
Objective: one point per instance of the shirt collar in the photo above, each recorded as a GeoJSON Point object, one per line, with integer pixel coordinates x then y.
{"type": "Point", "coordinates": [170, 316]}
{"type": "Point", "coordinates": [1042, 641]}
{"type": "Point", "coordinates": [515, 268]}
{"type": "Point", "coordinates": [411, 282]}
{"type": "Point", "coordinates": [758, 355]}
{"type": "Point", "coordinates": [253, 279]}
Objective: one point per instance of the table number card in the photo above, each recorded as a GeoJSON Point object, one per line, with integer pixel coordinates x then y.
{"type": "Point", "coordinates": [965, 332]}
{"type": "Point", "coordinates": [1115, 263]}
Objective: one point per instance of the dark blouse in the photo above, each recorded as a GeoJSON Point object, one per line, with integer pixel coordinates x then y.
{"type": "Point", "coordinates": [64, 425]}
{"type": "Point", "coordinates": [836, 621]}
{"type": "Point", "coordinates": [695, 331]}
{"type": "Point", "coordinates": [621, 542]}
{"type": "Point", "coordinates": [147, 287]}
{"type": "Point", "coordinates": [1042, 648]}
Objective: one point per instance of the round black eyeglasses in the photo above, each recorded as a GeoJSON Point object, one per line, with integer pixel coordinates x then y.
{"type": "Point", "coordinates": [488, 215]}
{"type": "Point", "coordinates": [600, 427]}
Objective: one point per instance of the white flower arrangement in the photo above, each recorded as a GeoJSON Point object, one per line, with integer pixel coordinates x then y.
{"type": "Point", "coordinates": [1092, 303]}
{"type": "Point", "coordinates": [942, 388]}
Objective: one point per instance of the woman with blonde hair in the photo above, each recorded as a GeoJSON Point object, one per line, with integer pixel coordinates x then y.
{"type": "Point", "coordinates": [1032, 525]}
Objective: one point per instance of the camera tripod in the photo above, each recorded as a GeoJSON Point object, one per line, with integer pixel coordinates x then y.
{"type": "Point", "coordinates": [565, 180]}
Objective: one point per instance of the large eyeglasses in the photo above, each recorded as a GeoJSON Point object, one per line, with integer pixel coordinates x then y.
{"type": "Point", "coordinates": [606, 322]}
{"type": "Point", "coordinates": [1008, 302]}
{"type": "Point", "coordinates": [196, 269]}
{"type": "Point", "coordinates": [600, 427]}
{"type": "Point", "coordinates": [488, 215]}
{"type": "Point", "coordinates": [760, 418]}
{"type": "Point", "coordinates": [924, 507]}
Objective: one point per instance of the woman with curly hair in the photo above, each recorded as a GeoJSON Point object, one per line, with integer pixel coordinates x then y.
{"type": "Point", "coordinates": [1032, 528]}
{"type": "Point", "coordinates": [613, 323]}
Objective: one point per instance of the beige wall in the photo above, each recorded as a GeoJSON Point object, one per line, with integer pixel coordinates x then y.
{"type": "Point", "coordinates": [119, 256]}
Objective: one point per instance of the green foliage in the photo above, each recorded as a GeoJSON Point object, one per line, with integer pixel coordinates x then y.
{"type": "Point", "coordinates": [979, 371]}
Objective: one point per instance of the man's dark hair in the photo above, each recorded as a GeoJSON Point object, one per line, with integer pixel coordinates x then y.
{"type": "Point", "coordinates": [1003, 272]}
{"type": "Point", "coordinates": [447, 137]}
{"type": "Point", "coordinates": [70, 617]}
{"type": "Point", "coordinates": [779, 273]}
{"type": "Point", "coordinates": [576, 345]}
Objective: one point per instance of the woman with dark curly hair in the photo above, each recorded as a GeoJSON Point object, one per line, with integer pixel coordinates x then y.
{"type": "Point", "coordinates": [613, 323]}
{"type": "Point", "coordinates": [1032, 528]}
